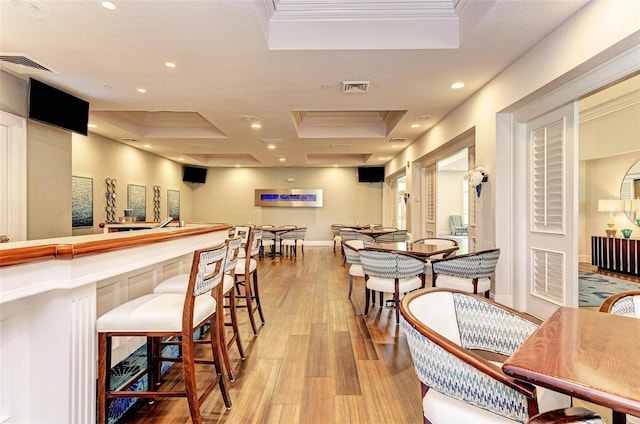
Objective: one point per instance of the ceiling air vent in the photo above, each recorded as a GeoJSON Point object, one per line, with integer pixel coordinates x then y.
{"type": "Point", "coordinates": [397, 140]}
{"type": "Point", "coordinates": [350, 87]}
{"type": "Point", "coordinates": [22, 64]}
{"type": "Point", "coordinates": [337, 146]}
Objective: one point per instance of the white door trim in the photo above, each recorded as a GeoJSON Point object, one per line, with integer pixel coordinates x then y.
{"type": "Point", "coordinates": [15, 166]}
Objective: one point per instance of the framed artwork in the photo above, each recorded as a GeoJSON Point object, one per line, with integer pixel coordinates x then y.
{"type": "Point", "coordinates": [138, 201]}
{"type": "Point", "coordinates": [173, 204]}
{"type": "Point", "coordinates": [81, 202]}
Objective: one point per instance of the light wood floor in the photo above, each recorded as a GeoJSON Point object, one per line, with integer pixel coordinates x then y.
{"type": "Point", "coordinates": [316, 360]}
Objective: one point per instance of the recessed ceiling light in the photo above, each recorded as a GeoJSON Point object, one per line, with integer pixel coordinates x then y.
{"type": "Point", "coordinates": [170, 65]}
{"type": "Point", "coordinates": [415, 125]}
{"type": "Point", "coordinates": [381, 158]}
{"type": "Point", "coordinates": [180, 158]}
{"type": "Point", "coordinates": [108, 5]}
{"type": "Point", "coordinates": [282, 159]}
{"type": "Point", "coordinates": [457, 85]}
{"type": "Point", "coordinates": [92, 126]}
{"type": "Point", "coordinates": [395, 146]}
{"type": "Point", "coordinates": [148, 146]}
{"type": "Point", "coordinates": [237, 166]}
{"type": "Point", "coordinates": [142, 90]}
{"type": "Point", "coordinates": [335, 165]}
{"type": "Point", "coordinates": [256, 125]}
{"type": "Point", "coordinates": [248, 117]}
{"type": "Point", "coordinates": [271, 146]}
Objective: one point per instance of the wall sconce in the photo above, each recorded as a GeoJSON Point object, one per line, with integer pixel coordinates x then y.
{"type": "Point", "coordinates": [610, 206]}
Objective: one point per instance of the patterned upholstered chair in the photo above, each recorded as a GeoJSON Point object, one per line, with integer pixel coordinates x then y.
{"type": "Point", "coordinates": [471, 272]}
{"type": "Point", "coordinates": [351, 252]}
{"type": "Point", "coordinates": [268, 240]}
{"type": "Point", "coordinates": [626, 304]}
{"type": "Point", "coordinates": [335, 232]}
{"type": "Point", "coordinates": [456, 226]}
{"type": "Point", "coordinates": [390, 272]}
{"type": "Point", "coordinates": [392, 237]}
{"type": "Point", "coordinates": [293, 239]}
{"type": "Point", "coordinates": [447, 330]}
{"type": "Point", "coordinates": [440, 243]}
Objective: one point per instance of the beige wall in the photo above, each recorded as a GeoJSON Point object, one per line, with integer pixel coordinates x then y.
{"type": "Point", "coordinates": [449, 198]}
{"type": "Point", "coordinates": [228, 196]}
{"type": "Point", "coordinates": [98, 157]}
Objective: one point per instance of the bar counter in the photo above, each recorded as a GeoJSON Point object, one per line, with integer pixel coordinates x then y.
{"type": "Point", "coordinates": [51, 292]}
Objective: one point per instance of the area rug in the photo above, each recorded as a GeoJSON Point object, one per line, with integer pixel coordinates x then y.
{"type": "Point", "coordinates": [595, 288]}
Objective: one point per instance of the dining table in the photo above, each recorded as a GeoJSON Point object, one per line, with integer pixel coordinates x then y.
{"type": "Point", "coordinates": [421, 250]}
{"type": "Point", "coordinates": [587, 354]}
{"type": "Point", "coordinates": [374, 232]}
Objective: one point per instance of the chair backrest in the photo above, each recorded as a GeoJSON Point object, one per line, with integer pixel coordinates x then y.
{"type": "Point", "coordinates": [472, 265]}
{"type": "Point", "coordinates": [394, 236]}
{"type": "Point", "coordinates": [455, 220]}
{"type": "Point", "coordinates": [241, 231]}
{"type": "Point", "coordinates": [207, 269]}
{"type": "Point", "coordinates": [355, 235]}
{"type": "Point", "coordinates": [335, 229]}
{"type": "Point", "coordinates": [254, 242]}
{"type": "Point", "coordinates": [350, 248]}
{"type": "Point", "coordinates": [289, 226]}
{"type": "Point", "coordinates": [387, 264]}
{"type": "Point", "coordinates": [441, 325]}
{"type": "Point", "coordinates": [625, 303]}
{"type": "Point", "coordinates": [233, 250]}
{"type": "Point", "coordinates": [295, 234]}
{"type": "Point", "coordinates": [268, 235]}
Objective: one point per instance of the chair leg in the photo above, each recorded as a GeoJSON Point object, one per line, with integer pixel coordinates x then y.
{"type": "Point", "coordinates": [104, 380]}
{"type": "Point", "coordinates": [234, 324]}
{"type": "Point", "coordinates": [189, 372]}
{"type": "Point", "coordinates": [224, 348]}
{"type": "Point", "coordinates": [247, 295]}
{"type": "Point", "coordinates": [366, 302]}
{"type": "Point", "coordinates": [396, 300]}
{"type": "Point", "coordinates": [350, 285]}
{"type": "Point", "coordinates": [257, 295]}
{"type": "Point", "coordinates": [216, 353]}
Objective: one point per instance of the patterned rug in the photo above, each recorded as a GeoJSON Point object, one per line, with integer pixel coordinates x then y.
{"type": "Point", "coordinates": [595, 288]}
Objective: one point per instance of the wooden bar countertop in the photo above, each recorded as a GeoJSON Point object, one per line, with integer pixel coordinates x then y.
{"type": "Point", "coordinates": [23, 252]}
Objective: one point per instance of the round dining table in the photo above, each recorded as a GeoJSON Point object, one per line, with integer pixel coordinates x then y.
{"type": "Point", "coordinates": [421, 250]}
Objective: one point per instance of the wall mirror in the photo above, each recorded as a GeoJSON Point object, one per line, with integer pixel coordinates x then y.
{"type": "Point", "coordinates": [630, 189]}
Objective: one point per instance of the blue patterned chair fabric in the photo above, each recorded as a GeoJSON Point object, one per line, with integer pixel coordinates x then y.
{"type": "Point", "coordinates": [626, 304]}
{"type": "Point", "coordinates": [441, 325]}
{"type": "Point", "coordinates": [355, 235]}
{"type": "Point", "coordinates": [352, 256]}
{"type": "Point", "coordinates": [477, 267]}
{"type": "Point", "coordinates": [404, 273]}
{"type": "Point", "coordinates": [293, 239]}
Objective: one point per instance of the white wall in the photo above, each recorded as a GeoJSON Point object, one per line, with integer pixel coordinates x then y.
{"type": "Point", "coordinates": [580, 44]}
{"type": "Point", "coordinates": [228, 196]}
{"type": "Point", "coordinates": [450, 193]}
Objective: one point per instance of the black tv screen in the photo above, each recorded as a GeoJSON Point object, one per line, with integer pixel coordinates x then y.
{"type": "Point", "coordinates": [194, 174]}
{"type": "Point", "coordinates": [371, 174]}
{"type": "Point", "coordinates": [52, 106]}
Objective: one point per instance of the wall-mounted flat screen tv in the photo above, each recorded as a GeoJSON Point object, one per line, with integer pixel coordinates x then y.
{"type": "Point", "coordinates": [194, 174]}
{"type": "Point", "coordinates": [52, 106]}
{"type": "Point", "coordinates": [371, 174]}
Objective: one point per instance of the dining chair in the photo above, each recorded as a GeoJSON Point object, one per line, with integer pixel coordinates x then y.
{"type": "Point", "coordinates": [268, 240]}
{"type": "Point", "coordinates": [335, 232]}
{"type": "Point", "coordinates": [351, 252]}
{"type": "Point", "coordinates": [292, 239]}
{"type": "Point", "coordinates": [355, 235]}
{"type": "Point", "coordinates": [247, 287]}
{"type": "Point", "coordinates": [625, 303]}
{"type": "Point", "coordinates": [471, 272]}
{"type": "Point", "coordinates": [157, 316]}
{"type": "Point", "coordinates": [179, 284]}
{"type": "Point", "coordinates": [387, 271]}
{"type": "Point", "coordinates": [449, 332]}
{"type": "Point", "coordinates": [392, 237]}
{"type": "Point", "coordinates": [241, 231]}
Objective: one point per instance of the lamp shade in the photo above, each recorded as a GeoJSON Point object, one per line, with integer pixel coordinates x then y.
{"type": "Point", "coordinates": [610, 205]}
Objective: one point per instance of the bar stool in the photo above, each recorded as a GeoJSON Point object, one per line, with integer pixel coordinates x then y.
{"type": "Point", "coordinates": [247, 269]}
{"type": "Point", "coordinates": [159, 315]}
{"type": "Point", "coordinates": [178, 284]}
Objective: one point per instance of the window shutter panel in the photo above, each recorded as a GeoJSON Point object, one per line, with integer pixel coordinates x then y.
{"type": "Point", "coordinates": [547, 269]}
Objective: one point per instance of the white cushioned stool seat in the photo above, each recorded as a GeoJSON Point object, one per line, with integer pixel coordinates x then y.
{"type": "Point", "coordinates": [405, 285]}
{"type": "Point", "coordinates": [240, 267]}
{"type": "Point", "coordinates": [459, 283]}
{"type": "Point", "coordinates": [154, 312]}
{"type": "Point", "coordinates": [439, 408]}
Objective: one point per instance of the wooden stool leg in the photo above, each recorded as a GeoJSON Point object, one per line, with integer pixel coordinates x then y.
{"type": "Point", "coordinates": [257, 295]}
{"type": "Point", "coordinates": [234, 323]}
{"type": "Point", "coordinates": [215, 352]}
{"type": "Point", "coordinates": [189, 372]}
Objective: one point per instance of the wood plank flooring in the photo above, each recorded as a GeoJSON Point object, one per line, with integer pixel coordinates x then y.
{"type": "Point", "coordinates": [316, 360]}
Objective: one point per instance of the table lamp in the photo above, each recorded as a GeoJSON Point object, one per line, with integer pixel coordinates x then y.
{"type": "Point", "coordinates": [611, 206]}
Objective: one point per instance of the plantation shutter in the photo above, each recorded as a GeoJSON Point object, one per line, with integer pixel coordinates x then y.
{"type": "Point", "coordinates": [547, 178]}
{"type": "Point", "coordinates": [430, 201]}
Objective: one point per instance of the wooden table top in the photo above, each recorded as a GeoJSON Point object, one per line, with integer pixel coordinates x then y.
{"type": "Point", "coordinates": [591, 355]}
{"type": "Point", "coordinates": [417, 249]}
